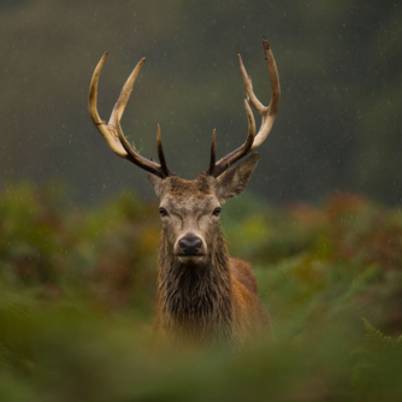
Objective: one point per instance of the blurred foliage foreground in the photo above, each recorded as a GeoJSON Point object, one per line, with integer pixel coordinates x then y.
{"type": "Point", "coordinates": [77, 298]}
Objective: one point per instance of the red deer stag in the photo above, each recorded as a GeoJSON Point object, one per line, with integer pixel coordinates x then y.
{"type": "Point", "coordinates": [202, 292]}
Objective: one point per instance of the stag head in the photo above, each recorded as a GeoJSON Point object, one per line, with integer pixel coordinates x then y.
{"type": "Point", "coordinates": [190, 209]}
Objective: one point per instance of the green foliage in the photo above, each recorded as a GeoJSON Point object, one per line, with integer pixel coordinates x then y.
{"type": "Point", "coordinates": [77, 290]}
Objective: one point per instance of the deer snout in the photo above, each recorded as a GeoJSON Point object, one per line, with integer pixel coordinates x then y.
{"type": "Point", "coordinates": [190, 245]}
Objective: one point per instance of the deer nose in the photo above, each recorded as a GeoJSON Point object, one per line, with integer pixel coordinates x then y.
{"type": "Point", "coordinates": [190, 244]}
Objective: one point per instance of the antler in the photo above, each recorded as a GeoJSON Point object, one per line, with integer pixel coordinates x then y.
{"type": "Point", "coordinates": [268, 114]}
{"type": "Point", "coordinates": [112, 131]}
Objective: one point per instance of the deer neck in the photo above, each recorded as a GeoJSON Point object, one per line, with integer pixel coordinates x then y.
{"type": "Point", "coordinates": [196, 299]}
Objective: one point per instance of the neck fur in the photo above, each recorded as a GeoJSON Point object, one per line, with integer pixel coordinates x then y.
{"type": "Point", "coordinates": [196, 299]}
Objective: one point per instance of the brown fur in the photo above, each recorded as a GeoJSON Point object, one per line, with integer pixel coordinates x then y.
{"type": "Point", "coordinates": [209, 303]}
{"type": "Point", "coordinates": [214, 299]}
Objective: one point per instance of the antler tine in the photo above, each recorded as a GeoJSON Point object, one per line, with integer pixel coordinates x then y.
{"type": "Point", "coordinates": [248, 86]}
{"type": "Point", "coordinates": [108, 135]}
{"type": "Point", "coordinates": [268, 118]}
{"type": "Point", "coordinates": [113, 132]}
{"type": "Point", "coordinates": [135, 157]}
{"type": "Point", "coordinates": [233, 156]}
{"type": "Point", "coordinates": [268, 113]}
{"type": "Point", "coordinates": [161, 154]}
{"type": "Point", "coordinates": [274, 76]}
{"type": "Point", "coordinates": [250, 118]}
{"type": "Point", "coordinates": [212, 158]}
{"type": "Point", "coordinates": [93, 91]}
{"type": "Point", "coordinates": [217, 168]}
{"type": "Point", "coordinates": [121, 103]}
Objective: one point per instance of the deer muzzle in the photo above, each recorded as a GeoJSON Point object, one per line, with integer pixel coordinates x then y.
{"type": "Point", "coordinates": [190, 245]}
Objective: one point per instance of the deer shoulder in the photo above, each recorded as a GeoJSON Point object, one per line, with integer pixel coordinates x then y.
{"type": "Point", "coordinates": [250, 315]}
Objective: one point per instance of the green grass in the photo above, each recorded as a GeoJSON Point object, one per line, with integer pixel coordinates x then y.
{"type": "Point", "coordinates": [77, 289]}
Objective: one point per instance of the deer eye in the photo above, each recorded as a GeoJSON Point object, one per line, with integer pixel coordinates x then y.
{"type": "Point", "coordinates": [163, 211]}
{"type": "Point", "coordinates": [216, 211]}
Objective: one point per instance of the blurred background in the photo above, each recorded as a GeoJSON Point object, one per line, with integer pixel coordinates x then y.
{"type": "Point", "coordinates": [339, 121]}
{"type": "Point", "coordinates": [321, 222]}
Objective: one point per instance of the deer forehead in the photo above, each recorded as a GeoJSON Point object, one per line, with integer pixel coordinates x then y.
{"type": "Point", "coordinates": [189, 196]}
{"type": "Point", "coordinates": [176, 187]}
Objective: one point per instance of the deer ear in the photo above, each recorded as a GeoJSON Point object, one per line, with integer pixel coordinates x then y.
{"type": "Point", "coordinates": [156, 183]}
{"type": "Point", "coordinates": [234, 180]}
